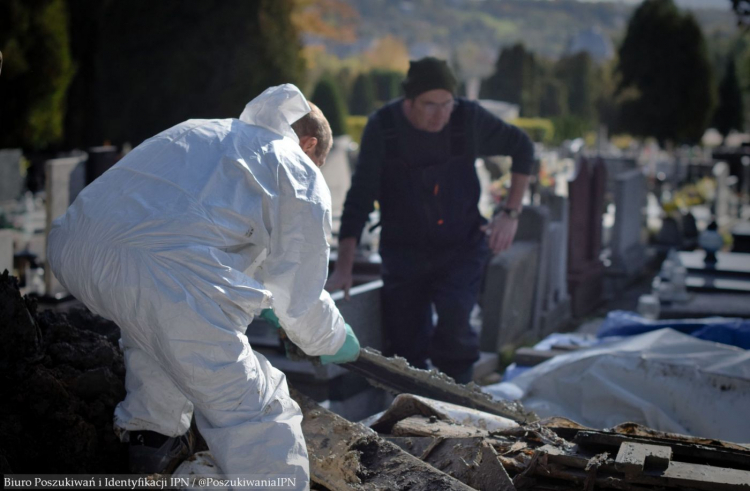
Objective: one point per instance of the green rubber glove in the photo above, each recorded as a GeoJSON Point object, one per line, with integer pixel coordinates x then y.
{"type": "Point", "coordinates": [269, 316]}
{"type": "Point", "coordinates": [348, 352]}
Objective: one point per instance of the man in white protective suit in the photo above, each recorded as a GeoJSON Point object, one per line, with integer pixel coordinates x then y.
{"type": "Point", "coordinates": [184, 242]}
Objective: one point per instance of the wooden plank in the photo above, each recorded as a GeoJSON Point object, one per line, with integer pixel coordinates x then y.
{"type": "Point", "coordinates": [705, 477]}
{"type": "Point", "coordinates": [529, 357]}
{"type": "Point", "coordinates": [345, 456]}
{"type": "Point", "coordinates": [681, 451]}
{"type": "Point", "coordinates": [571, 467]}
{"type": "Point", "coordinates": [422, 426]}
{"type": "Point", "coordinates": [635, 457]}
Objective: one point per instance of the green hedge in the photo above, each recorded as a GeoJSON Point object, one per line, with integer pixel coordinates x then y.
{"type": "Point", "coordinates": [355, 126]}
{"type": "Point", "coordinates": [538, 129]}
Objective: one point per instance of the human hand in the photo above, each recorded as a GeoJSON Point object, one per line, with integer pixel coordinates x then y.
{"type": "Point", "coordinates": [500, 232]}
{"type": "Point", "coordinates": [340, 280]}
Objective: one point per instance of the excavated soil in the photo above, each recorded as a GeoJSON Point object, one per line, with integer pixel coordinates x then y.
{"type": "Point", "coordinates": [61, 376]}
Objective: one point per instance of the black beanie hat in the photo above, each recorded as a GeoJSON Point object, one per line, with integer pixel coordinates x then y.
{"type": "Point", "coordinates": [428, 74]}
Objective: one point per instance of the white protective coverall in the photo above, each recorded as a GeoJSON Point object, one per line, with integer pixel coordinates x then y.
{"type": "Point", "coordinates": [181, 244]}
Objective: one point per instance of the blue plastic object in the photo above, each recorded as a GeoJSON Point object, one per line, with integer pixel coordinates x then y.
{"type": "Point", "coordinates": [734, 332]}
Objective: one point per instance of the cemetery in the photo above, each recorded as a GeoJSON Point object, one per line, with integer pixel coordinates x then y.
{"type": "Point", "coordinates": [604, 272]}
{"type": "Point", "coordinates": [583, 256]}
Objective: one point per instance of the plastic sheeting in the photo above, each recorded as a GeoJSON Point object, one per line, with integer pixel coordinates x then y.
{"type": "Point", "coordinates": [663, 379]}
{"type": "Point", "coordinates": [735, 332]}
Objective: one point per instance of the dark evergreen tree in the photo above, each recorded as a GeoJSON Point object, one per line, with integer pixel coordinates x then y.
{"type": "Point", "coordinates": [387, 84]}
{"type": "Point", "coordinates": [554, 100]}
{"type": "Point", "coordinates": [742, 9]}
{"type": "Point", "coordinates": [578, 74]}
{"type": "Point", "coordinates": [729, 115]}
{"type": "Point", "coordinates": [666, 85]}
{"type": "Point", "coordinates": [36, 73]}
{"type": "Point", "coordinates": [516, 80]}
{"type": "Point", "coordinates": [327, 97]}
{"type": "Point", "coordinates": [362, 99]}
{"type": "Point", "coordinates": [157, 63]}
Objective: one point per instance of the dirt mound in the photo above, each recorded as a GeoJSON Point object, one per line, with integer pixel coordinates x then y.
{"type": "Point", "coordinates": [61, 376]}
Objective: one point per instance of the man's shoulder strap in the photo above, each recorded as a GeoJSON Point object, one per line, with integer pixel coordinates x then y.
{"type": "Point", "coordinates": [388, 128]}
{"type": "Point", "coordinates": [458, 131]}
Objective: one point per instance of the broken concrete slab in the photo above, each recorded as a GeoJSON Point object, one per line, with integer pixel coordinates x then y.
{"type": "Point", "coordinates": [395, 374]}
{"type": "Point", "coordinates": [345, 455]}
{"type": "Point", "coordinates": [633, 458]}
{"type": "Point", "coordinates": [431, 426]}
{"type": "Point", "coordinates": [406, 405]}
{"type": "Point", "coordinates": [472, 461]}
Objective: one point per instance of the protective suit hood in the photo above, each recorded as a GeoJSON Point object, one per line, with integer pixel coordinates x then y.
{"type": "Point", "coordinates": [276, 109]}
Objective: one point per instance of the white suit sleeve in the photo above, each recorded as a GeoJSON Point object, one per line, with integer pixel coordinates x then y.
{"type": "Point", "coordinates": [296, 269]}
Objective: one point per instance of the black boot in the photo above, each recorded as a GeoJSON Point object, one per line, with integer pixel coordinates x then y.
{"type": "Point", "coordinates": [154, 453]}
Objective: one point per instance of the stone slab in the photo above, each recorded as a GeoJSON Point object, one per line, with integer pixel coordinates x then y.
{"type": "Point", "coordinates": [636, 457]}
{"type": "Point", "coordinates": [337, 173]}
{"type": "Point", "coordinates": [6, 251]}
{"type": "Point", "coordinates": [11, 180]}
{"type": "Point", "coordinates": [508, 295]}
{"type": "Point", "coordinates": [728, 263]}
{"type": "Point", "coordinates": [708, 305]}
{"type": "Point", "coordinates": [533, 225]}
{"type": "Point", "coordinates": [57, 183]}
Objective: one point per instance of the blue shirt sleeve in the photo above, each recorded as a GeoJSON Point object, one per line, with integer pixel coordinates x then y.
{"type": "Point", "coordinates": [493, 136]}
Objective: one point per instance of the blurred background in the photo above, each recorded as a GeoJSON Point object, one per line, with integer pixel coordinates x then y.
{"type": "Point", "coordinates": [660, 86]}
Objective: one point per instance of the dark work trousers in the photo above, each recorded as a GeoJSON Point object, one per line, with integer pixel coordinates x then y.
{"type": "Point", "coordinates": [415, 280]}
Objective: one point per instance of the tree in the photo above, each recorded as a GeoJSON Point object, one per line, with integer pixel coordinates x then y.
{"type": "Point", "coordinates": [389, 53]}
{"type": "Point", "coordinates": [554, 100]}
{"type": "Point", "coordinates": [666, 87]}
{"type": "Point", "coordinates": [387, 84]}
{"type": "Point", "coordinates": [515, 80]}
{"type": "Point", "coordinates": [742, 9]}
{"type": "Point", "coordinates": [152, 64]}
{"type": "Point", "coordinates": [37, 72]}
{"type": "Point", "coordinates": [729, 115]}
{"type": "Point", "coordinates": [577, 73]}
{"type": "Point", "coordinates": [328, 98]}
{"type": "Point", "coordinates": [362, 99]}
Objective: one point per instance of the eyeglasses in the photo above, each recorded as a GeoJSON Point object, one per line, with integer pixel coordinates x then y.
{"type": "Point", "coordinates": [434, 107]}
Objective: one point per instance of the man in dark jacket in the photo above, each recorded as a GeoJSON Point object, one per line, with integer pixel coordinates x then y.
{"type": "Point", "coordinates": [417, 160]}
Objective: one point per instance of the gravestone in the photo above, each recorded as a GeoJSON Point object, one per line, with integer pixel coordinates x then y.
{"type": "Point", "coordinates": [721, 201]}
{"type": "Point", "coordinates": [507, 298]}
{"type": "Point", "coordinates": [585, 269]}
{"type": "Point", "coordinates": [11, 180]}
{"type": "Point", "coordinates": [57, 183]}
{"type": "Point", "coordinates": [741, 237]}
{"type": "Point", "coordinates": [556, 303]}
{"type": "Point", "coordinates": [628, 249]}
{"type": "Point", "coordinates": [337, 174]}
{"type": "Point", "coordinates": [533, 226]}
{"type": "Point", "coordinates": [100, 159]}
{"type": "Point", "coordinates": [6, 250]}
{"type": "Point", "coordinates": [616, 166]}
{"type": "Point", "coordinates": [345, 393]}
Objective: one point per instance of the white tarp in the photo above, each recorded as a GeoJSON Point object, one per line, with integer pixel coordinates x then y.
{"type": "Point", "coordinates": [662, 379]}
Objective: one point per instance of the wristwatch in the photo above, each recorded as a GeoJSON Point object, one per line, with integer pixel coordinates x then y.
{"type": "Point", "coordinates": [512, 213]}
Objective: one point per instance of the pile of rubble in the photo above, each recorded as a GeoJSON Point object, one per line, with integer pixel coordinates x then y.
{"type": "Point", "coordinates": [63, 374]}
{"type": "Point", "coordinates": [418, 446]}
